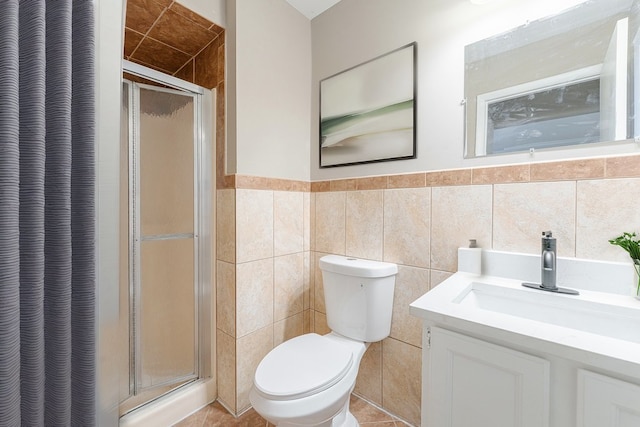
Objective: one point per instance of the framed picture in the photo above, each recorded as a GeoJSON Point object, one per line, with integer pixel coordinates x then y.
{"type": "Point", "coordinates": [368, 112]}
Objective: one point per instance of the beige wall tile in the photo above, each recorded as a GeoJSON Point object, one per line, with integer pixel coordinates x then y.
{"type": "Point", "coordinates": [254, 293]}
{"type": "Point", "coordinates": [364, 219]}
{"type": "Point", "coordinates": [621, 167]}
{"type": "Point", "coordinates": [504, 212]}
{"type": "Point", "coordinates": [505, 216]}
{"type": "Point", "coordinates": [254, 222]}
{"type": "Point", "coordinates": [348, 184]}
{"type": "Point", "coordinates": [288, 233]}
{"type": "Point", "coordinates": [411, 283]}
{"type": "Point", "coordinates": [437, 277]}
{"type": "Point", "coordinates": [571, 169]}
{"type": "Point", "coordinates": [275, 184]}
{"type": "Point", "coordinates": [307, 280]}
{"type": "Point", "coordinates": [330, 222]}
{"type": "Point", "coordinates": [226, 225]}
{"type": "Point", "coordinates": [255, 182]}
{"type": "Point", "coordinates": [226, 369]}
{"type": "Point", "coordinates": [308, 321]}
{"type": "Point", "coordinates": [308, 204]}
{"type": "Point", "coordinates": [372, 183]}
{"type": "Point", "coordinates": [369, 381]}
{"type": "Point", "coordinates": [407, 220]}
{"type": "Point", "coordinates": [401, 379]}
{"type": "Point", "coordinates": [320, 323]}
{"type": "Point", "coordinates": [523, 211]}
{"type": "Point", "coordinates": [606, 209]}
{"type": "Point", "coordinates": [320, 186]}
{"type": "Point", "coordinates": [501, 174]}
{"type": "Point", "coordinates": [226, 297]}
{"type": "Point", "coordinates": [288, 328]}
{"type": "Point", "coordinates": [406, 181]}
{"type": "Point", "coordinates": [288, 285]}
{"type": "Point", "coordinates": [449, 177]}
{"type": "Point", "coordinates": [457, 215]}
{"type": "Point", "coordinates": [252, 349]}
{"type": "Point", "coordinates": [223, 181]}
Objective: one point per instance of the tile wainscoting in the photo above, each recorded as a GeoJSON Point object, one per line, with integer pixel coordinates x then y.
{"type": "Point", "coordinates": [271, 232]}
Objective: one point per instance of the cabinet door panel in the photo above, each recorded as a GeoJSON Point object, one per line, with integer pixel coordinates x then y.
{"type": "Point", "coordinates": [475, 383]}
{"type": "Point", "coordinates": [605, 401]}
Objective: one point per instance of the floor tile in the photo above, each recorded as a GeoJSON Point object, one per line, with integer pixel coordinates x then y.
{"type": "Point", "coordinates": [366, 413]}
{"type": "Point", "coordinates": [215, 415]}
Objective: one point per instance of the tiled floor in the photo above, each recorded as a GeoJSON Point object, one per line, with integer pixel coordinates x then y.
{"type": "Point", "coordinates": [214, 415]}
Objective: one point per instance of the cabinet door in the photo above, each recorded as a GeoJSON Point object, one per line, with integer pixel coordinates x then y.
{"type": "Point", "coordinates": [605, 401]}
{"type": "Point", "coordinates": [475, 383]}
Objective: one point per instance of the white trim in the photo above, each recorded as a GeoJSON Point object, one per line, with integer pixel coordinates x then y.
{"type": "Point", "coordinates": [636, 87]}
{"type": "Point", "coordinates": [157, 76]}
{"type": "Point", "coordinates": [173, 407]}
{"type": "Point", "coordinates": [613, 85]}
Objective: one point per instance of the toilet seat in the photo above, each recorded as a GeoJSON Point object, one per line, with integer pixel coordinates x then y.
{"type": "Point", "coordinates": [301, 367]}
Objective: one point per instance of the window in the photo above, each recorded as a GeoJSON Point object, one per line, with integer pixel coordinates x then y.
{"type": "Point", "coordinates": [552, 112]}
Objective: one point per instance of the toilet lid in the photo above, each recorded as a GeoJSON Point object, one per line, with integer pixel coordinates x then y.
{"type": "Point", "coordinates": [301, 367]}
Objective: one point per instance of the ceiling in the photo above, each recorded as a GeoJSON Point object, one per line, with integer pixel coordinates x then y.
{"type": "Point", "coordinates": [312, 8]}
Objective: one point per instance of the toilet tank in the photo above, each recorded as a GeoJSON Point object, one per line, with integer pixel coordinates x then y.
{"type": "Point", "coordinates": [358, 295]}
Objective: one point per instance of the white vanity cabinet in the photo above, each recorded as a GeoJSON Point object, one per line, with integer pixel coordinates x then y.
{"type": "Point", "coordinates": [497, 354]}
{"type": "Point", "coordinates": [471, 381]}
{"type": "Point", "coordinates": [476, 383]}
{"type": "Point", "coordinates": [606, 401]}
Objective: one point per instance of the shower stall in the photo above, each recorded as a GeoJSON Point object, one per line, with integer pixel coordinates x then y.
{"type": "Point", "coordinates": [165, 236]}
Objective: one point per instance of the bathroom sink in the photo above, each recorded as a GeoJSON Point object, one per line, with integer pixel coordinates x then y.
{"type": "Point", "coordinates": [602, 314]}
{"type": "Point", "coordinates": [593, 326]}
{"type": "Point", "coordinates": [600, 324]}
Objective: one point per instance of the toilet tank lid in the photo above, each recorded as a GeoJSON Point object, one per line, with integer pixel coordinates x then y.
{"type": "Point", "coordinates": [350, 266]}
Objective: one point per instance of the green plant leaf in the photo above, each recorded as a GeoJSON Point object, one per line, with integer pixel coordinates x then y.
{"type": "Point", "coordinates": [629, 243]}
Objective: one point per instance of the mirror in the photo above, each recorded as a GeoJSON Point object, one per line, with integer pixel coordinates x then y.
{"type": "Point", "coordinates": [559, 81]}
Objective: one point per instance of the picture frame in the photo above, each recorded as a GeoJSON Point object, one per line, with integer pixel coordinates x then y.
{"type": "Point", "coordinates": [368, 112]}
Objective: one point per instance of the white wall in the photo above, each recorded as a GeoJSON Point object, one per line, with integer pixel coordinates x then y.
{"type": "Point", "coordinates": [354, 31]}
{"type": "Point", "coordinates": [213, 10]}
{"type": "Point", "coordinates": [269, 55]}
{"type": "Point", "coordinates": [109, 34]}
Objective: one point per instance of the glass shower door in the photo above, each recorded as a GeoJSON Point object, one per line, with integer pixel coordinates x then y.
{"type": "Point", "coordinates": [166, 313]}
{"type": "Point", "coordinates": [163, 261]}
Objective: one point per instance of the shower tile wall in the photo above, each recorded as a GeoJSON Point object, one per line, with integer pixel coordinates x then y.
{"type": "Point", "coordinates": [166, 36]}
{"type": "Point", "coordinates": [418, 221]}
{"type": "Point", "coordinates": [263, 281]}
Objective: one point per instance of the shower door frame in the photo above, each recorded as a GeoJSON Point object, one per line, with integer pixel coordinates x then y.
{"type": "Point", "coordinates": [202, 191]}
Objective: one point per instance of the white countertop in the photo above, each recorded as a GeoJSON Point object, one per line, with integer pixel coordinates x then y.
{"type": "Point", "coordinates": [513, 319]}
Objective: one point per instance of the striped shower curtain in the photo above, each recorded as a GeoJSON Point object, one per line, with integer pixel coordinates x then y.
{"type": "Point", "coordinates": [47, 214]}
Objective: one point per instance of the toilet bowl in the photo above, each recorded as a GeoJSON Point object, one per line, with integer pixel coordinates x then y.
{"type": "Point", "coordinates": [308, 380]}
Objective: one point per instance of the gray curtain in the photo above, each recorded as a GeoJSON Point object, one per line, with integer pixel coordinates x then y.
{"type": "Point", "coordinates": [47, 213]}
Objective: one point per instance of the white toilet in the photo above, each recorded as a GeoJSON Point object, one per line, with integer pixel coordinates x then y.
{"type": "Point", "coordinates": [307, 381]}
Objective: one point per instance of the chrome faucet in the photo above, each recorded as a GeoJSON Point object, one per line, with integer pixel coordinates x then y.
{"type": "Point", "coordinates": [548, 261]}
{"type": "Point", "coordinates": [548, 267]}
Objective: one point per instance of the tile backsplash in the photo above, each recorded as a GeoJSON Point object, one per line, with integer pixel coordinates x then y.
{"type": "Point", "coordinates": [271, 233]}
